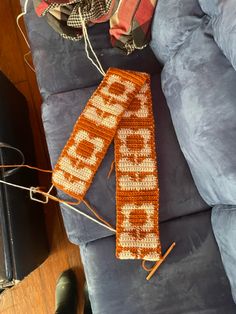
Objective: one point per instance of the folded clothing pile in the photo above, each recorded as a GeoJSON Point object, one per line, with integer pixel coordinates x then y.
{"type": "Point", "coordinates": [130, 21]}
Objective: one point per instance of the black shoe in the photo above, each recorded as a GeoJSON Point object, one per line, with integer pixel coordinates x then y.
{"type": "Point", "coordinates": [66, 293]}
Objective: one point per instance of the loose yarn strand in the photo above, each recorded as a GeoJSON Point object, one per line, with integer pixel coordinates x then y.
{"type": "Point", "coordinates": [91, 48]}
{"type": "Point", "coordinates": [27, 62]}
{"type": "Point", "coordinates": [95, 213]}
{"type": "Point", "coordinates": [26, 166]}
{"type": "Point", "coordinates": [54, 198]}
{"type": "Point", "coordinates": [23, 35]}
{"type": "Point", "coordinates": [50, 189]}
{"type": "Point", "coordinates": [18, 24]}
{"type": "Point", "coordinates": [111, 169]}
{"type": "Point", "coordinates": [87, 42]}
{"type": "Point", "coordinates": [91, 218]}
{"type": "Point", "coordinates": [68, 204]}
{"type": "Point", "coordinates": [47, 194]}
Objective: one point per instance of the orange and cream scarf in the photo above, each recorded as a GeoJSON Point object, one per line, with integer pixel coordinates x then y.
{"type": "Point", "coordinates": [120, 109]}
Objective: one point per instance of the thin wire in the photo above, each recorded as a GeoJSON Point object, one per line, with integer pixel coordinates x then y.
{"type": "Point", "coordinates": [61, 201]}
{"type": "Point", "coordinates": [87, 41]}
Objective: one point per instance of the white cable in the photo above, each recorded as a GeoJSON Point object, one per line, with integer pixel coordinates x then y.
{"type": "Point", "coordinates": [69, 206]}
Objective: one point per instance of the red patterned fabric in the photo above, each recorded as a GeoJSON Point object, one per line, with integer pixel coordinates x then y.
{"type": "Point", "coordinates": [130, 25]}
{"type": "Point", "coordinates": [130, 20]}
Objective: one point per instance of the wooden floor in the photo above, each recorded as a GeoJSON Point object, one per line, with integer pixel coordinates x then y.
{"type": "Point", "coordinates": [35, 294]}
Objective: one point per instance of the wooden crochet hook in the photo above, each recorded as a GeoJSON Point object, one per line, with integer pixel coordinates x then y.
{"type": "Point", "coordinates": [156, 266]}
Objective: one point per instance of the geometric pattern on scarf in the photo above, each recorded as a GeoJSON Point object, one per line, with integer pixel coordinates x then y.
{"type": "Point", "coordinates": [119, 109]}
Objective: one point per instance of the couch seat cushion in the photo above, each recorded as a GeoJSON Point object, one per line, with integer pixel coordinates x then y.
{"type": "Point", "coordinates": [191, 281]}
{"type": "Point", "coordinates": [224, 227]}
{"type": "Point", "coordinates": [200, 89]}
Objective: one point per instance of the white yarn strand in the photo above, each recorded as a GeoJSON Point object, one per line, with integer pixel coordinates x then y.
{"type": "Point", "coordinates": [64, 203]}
{"type": "Point", "coordinates": [101, 70]}
{"type": "Point", "coordinates": [18, 24]}
{"type": "Point", "coordinates": [99, 67]}
{"type": "Point", "coordinates": [89, 217]}
{"type": "Point", "coordinates": [27, 62]}
{"type": "Point", "coordinates": [23, 35]}
{"type": "Point", "coordinates": [87, 42]}
{"type": "Point", "coordinates": [15, 185]}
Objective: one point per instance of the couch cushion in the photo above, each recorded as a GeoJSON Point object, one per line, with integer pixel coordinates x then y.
{"type": "Point", "coordinates": [191, 281]}
{"type": "Point", "coordinates": [199, 84]}
{"type": "Point", "coordinates": [211, 7]}
{"type": "Point", "coordinates": [222, 18]}
{"type": "Point", "coordinates": [62, 65]}
{"type": "Point", "coordinates": [173, 22]}
{"type": "Point", "coordinates": [224, 25]}
{"type": "Point", "coordinates": [224, 227]}
{"type": "Point", "coordinates": [178, 194]}
{"type": "Point", "coordinates": [200, 89]}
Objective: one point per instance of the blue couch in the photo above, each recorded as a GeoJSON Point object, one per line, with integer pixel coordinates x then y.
{"type": "Point", "coordinates": [192, 280]}
{"type": "Point", "coordinates": [196, 42]}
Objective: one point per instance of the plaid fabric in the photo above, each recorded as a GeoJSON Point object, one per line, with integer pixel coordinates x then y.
{"type": "Point", "coordinates": [63, 15]}
{"type": "Point", "coordinates": [131, 24]}
{"type": "Point", "coordinates": [130, 20]}
{"type": "Point", "coordinates": [58, 1]}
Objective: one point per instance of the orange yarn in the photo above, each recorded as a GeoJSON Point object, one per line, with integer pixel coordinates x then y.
{"type": "Point", "coordinates": [121, 108]}
{"type": "Point", "coordinates": [92, 134]}
{"type": "Point", "coordinates": [26, 166]}
{"type": "Point", "coordinates": [137, 194]}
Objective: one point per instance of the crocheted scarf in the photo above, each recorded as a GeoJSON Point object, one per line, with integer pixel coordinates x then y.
{"type": "Point", "coordinates": [130, 21]}
{"type": "Point", "coordinates": [120, 109]}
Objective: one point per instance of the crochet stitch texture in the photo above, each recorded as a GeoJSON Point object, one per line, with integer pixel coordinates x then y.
{"type": "Point", "coordinates": [120, 109]}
